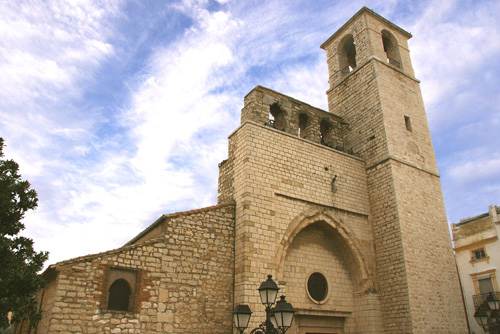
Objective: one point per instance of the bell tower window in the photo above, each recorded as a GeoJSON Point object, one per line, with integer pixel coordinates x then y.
{"type": "Point", "coordinates": [391, 49]}
{"type": "Point", "coordinates": [347, 54]}
{"type": "Point", "coordinates": [324, 130]}
{"type": "Point", "coordinates": [277, 117]}
{"type": "Point", "coordinates": [303, 123]}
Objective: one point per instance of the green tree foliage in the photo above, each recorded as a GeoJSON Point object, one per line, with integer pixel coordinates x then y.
{"type": "Point", "coordinates": [19, 262]}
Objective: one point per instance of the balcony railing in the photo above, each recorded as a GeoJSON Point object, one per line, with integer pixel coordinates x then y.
{"type": "Point", "coordinates": [481, 301]}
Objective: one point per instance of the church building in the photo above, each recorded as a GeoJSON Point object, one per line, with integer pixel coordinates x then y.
{"type": "Point", "coordinates": [343, 208]}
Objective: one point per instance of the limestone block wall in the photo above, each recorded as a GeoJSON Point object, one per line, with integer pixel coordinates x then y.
{"type": "Point", "coordinates": [282, 184]}
{"type": "Point", "coordinates": [225, 184]}
{"type": "Point", "coordinates": [400, 100]}
{"type": "Point", "coordinates": [357, 99]}
{"type": "Point", "coordinates": [435, 298]}
{"type": "Point", "coordinates": [184, 282]}
{"type": "Point", "coordinates": [466, 234]}
{"type": "Point", "coordinates": [391, 270]}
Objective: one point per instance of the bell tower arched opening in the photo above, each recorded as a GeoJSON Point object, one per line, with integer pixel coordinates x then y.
{"type": "Point", "coordinates": [325, 129]}
{"type": "Point", "coordinates": [347, 54]}
{"type": "Point", "coordinates": [303, 124]}
{"type": "Point", "coordinates": [277, 117]}
{"type": "Point", "coordinates": [391, 49]}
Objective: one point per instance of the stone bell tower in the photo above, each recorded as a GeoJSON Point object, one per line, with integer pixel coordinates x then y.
{"type": "Point", "coordinates": [344, 207]}
{"type": "Point", "coordinates": [374, 89]}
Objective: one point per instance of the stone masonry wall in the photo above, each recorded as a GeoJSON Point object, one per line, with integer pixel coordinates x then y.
{"type": "Point", "coordinates": [277, 178]}
{"type": "Point", "coordinates": [225, 184]}
{"type": "Point", "coordinates": [391, 270]}
{"type": "Point", "coordinates": [400, 96]}
{"type": "Point", "coordinates": [429, 261]}
{"type": "Point", "coordinates": [185, 282]}
{"type": "Point", "coordinates": [358, 101]}
{"type": "Point", "coordinates": [465, 234]}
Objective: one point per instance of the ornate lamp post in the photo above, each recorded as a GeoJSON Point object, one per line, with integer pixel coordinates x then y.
{"type": "Point", "coordinates": [278, 319]}
{"type": "Point", "coordinates": [488, 312]}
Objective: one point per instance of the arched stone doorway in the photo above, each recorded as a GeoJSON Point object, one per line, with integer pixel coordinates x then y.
{"type": "Point", "coordinates": [318, 244]}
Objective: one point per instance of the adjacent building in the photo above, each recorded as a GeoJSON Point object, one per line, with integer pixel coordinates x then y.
{"type": "Point", "coordinates": [477, 252]}
{"type": "Point", "coordinates": [343, 207]}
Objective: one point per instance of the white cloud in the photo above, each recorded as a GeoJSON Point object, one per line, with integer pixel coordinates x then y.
{"type": "Point", "coordinates": [452, 44]}
{"type": "Point", "coordinates": [49, 51]}
{"type": "Point", "coordinates": [45, 44]}
{"type": "Point", "coordinates": [170, 151]}
{"type": "Point", "coordinates": [476, 170]}
{"type": "Point", "coordinates": [185, 101]}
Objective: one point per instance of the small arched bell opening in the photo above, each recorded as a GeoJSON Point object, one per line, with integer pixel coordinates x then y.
{"type": "Point", "coordinates": [391, 49]}
{"type": "Point", "coordinates": [119, 295]}
{"type": "Point", "coordinates": [277, 117]}
{"type": "Point", "coordinates": [347, 54]}
{"type": "Point", "coordinates": [325, 129]}
{"type": "Point", "coordinates": [303, 124]}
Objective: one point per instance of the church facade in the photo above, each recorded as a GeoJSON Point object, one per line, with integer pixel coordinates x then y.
{"type": "Point", "coordinates": [343, 207]}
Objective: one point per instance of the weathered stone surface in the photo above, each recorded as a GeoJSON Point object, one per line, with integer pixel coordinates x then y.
{"type": "Point", "coordinates": [199, 291]}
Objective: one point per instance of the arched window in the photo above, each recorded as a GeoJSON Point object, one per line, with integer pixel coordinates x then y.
{"type": "Point", "coordinates": [325, 128]}
{"type": "Point", "coordinates": [391, 49]}
{"type": "Point", "coordinates": [303, 123]}
{"type": "Point", "coordinates": [119, 295]}
{"type": "Point", "coordinates": [277, 117]}
{"type": "Point", "coordinates": [347, 54]}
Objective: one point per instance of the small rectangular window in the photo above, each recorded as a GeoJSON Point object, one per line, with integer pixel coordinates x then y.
{"type": "Point", "coordinates": [485, 285]}
{"type": "Point", "coordinates": [408, 123]}
{"type": "Point", "coordinates": [478, 254]}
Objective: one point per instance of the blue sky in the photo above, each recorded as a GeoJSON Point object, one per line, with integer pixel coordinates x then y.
{"type": "Point", "coordinates": [119, 111]}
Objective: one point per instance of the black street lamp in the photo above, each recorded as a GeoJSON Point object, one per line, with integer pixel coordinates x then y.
{"type": "Point", "coordinates": [241, 317]}
{"type": "Point", "coordinates": [278, 319]}
{"type": "Point", "coordinates": [487, 312]}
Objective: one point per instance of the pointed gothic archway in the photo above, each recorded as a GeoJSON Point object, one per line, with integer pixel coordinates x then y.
{"type": "Point", "coordinates": [317, 244]}
{"type": "Point", "coordinates": [346, 241]}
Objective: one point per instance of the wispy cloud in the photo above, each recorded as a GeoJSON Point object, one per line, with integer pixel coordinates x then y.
{"type": "Point", "coordinates": [49, 51]}
{"type": "Point", "coordinates": [118, 113]}
{"type": "Point", "coordinates": [165, 145]}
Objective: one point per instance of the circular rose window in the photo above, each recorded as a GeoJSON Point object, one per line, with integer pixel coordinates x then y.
{"type": "Point", "coordinates": [317, 287]}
